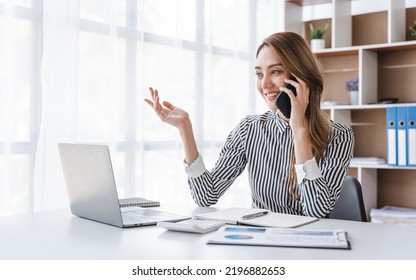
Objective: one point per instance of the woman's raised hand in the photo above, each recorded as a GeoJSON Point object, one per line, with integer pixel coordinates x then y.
{"type": "Point", "coordinates": [166, 111]}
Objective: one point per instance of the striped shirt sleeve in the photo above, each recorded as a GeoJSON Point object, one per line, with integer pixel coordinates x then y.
{"type": "Point", "coordinates": [208, 187]}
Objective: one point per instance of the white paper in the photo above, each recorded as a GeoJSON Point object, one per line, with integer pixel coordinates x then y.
{"type": "Point", "coordinates": [282, 237]}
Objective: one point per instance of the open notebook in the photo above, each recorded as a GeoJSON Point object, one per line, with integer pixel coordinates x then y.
{"type": "Point", "coordinates": [236, 216]}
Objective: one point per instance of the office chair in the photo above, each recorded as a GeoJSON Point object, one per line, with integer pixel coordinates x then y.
{"type": "Point", "coordinates": [350, 204]}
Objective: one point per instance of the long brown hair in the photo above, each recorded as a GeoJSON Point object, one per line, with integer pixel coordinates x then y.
{"type": "Point", "coordinates": [297, 58]}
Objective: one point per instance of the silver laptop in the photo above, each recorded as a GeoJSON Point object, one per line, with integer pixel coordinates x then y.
{"type": "Point", "coordinates": [92, 189]}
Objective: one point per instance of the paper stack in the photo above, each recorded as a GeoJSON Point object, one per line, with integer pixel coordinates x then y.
{"type": "Point", "coordinates": [367, 160]}
{"type": "Point", "coordinates": [394, 215]}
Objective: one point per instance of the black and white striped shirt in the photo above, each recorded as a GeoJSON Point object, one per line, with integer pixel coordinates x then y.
{"type": "Point", "coordinates": [264, 144]}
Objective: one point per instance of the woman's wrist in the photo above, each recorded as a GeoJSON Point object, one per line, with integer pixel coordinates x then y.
{"type": "Point", "coordinates": [188, 141]}
{"type": "Point", "coordinates": [299, 132]}
{"type": "Point", "coordinates": [185, 127]}
{"type": "Point", "coordinates": [303, 147]}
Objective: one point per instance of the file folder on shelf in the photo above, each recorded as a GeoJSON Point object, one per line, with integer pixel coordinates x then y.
{"type": "Point", "coordinates": [411, 135]}
{"type": "Point", "coordinates": [391, 121]}
{"type": "Point", "coordinates": [402, 136]}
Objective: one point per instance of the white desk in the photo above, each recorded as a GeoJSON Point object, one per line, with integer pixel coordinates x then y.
{"type": "Point", "coordinates": [60, 235]}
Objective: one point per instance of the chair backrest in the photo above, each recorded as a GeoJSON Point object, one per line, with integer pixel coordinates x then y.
{"type": "Point", "coordinates": [350, 204]}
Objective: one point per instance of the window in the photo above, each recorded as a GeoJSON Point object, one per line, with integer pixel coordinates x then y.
{"type": "Point", "coordinates": [77, 71]}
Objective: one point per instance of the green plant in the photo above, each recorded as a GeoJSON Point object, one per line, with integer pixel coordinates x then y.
{"type": "Point", "coordinates": [318, 33]}
{"type": "Point", "coordinates": [413, 29]}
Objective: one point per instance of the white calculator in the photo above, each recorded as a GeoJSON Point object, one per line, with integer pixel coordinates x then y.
{"type": "Point", "coordinates": [191, 225]}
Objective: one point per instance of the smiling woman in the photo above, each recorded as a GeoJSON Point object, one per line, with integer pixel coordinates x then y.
{"type": "Point", "coordinates": [295, 166]}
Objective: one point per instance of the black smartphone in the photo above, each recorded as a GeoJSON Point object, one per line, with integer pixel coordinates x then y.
{"type": "Point", "coordinates": [283, 100]}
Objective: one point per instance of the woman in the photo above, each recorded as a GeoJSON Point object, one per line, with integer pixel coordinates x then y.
{"type": "Point", "coordinates": [295, 165]}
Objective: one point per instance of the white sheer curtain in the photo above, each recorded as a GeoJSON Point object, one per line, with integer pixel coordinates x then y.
{"type": "Point", "coordinates": [59, 99]}
{"type": "Point", "coordinates": [77, 71]}
{"type": "Point", "coordinates": [20, 56]}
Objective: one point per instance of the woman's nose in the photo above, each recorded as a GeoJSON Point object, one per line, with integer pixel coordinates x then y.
{"type": "Point", "coordinates": [266, 83]}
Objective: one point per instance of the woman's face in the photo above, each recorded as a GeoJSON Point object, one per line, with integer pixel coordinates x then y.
{"type": "Point", "coordinates": [270, 75]}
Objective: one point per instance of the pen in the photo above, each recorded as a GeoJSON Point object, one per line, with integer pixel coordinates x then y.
{"type": "Point", "coordinates": [254, 215]}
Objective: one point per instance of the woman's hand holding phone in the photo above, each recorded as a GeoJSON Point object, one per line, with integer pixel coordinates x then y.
{"type": "Point", "coordinates": [283, 100]}
{"type": "Point", "coordinates": [294, 107]}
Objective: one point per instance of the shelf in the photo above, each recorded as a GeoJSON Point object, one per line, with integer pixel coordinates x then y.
{"type": "Point", "coordinates": [374, 45]}
{"type": "Point", "coordinates": [366, 107]}
{"type": "Point", "coordinates": [309, 2]}
{"type": "Point", "coordinates": [392, 47]}
{"type": "Point", "coordinates": [382, 166]}
{"type": "Point", "coordinates": [379, 48]}
{"type": "Point", "coordinates": [400, 66]}
{"type": "Point", "coordinates": [345, 70]}
{"type": "Point", "coordinates": [330, 52]}
{"type": "Point", "coordinates": [366, 124]}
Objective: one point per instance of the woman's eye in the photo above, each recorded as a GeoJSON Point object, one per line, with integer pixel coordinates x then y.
{"type": "Point", "coordinates": [274, 72]}
{"type": "Point", "coordinates": [258, 74]}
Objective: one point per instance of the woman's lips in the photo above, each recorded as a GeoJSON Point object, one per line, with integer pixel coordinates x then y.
{"type": "Point", "coordinates": [271, 95]}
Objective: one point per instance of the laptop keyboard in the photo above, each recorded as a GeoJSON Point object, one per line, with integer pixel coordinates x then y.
{"type": "Point", "coordinates": [137, 217]}
{"type": "Point", "coordinates": [147, 216]}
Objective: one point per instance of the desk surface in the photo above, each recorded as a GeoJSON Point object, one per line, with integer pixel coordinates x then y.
{"type": "Point", "coordinates": [58, 234]}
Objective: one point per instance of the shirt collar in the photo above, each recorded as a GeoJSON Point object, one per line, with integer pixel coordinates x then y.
{"type": "Point", "coordinates": [282, 125]}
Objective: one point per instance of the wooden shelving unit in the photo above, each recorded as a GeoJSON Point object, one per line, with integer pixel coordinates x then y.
{"type": "Point", "coordinates": [376, 48]}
